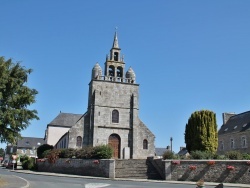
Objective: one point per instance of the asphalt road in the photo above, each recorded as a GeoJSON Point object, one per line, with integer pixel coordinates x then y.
{"type": "Point", "coordinates": [43, 181]}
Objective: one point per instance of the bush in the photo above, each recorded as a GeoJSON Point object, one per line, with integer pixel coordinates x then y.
{"type": "Point", "coordinates": [102, 152]}
{"type": "Point", "coordinates": [85, 153]}
{"type": "Point", "coordinates": [234, 155]}
{"type": "Point", "coordinates": [28, 163]}
{"type": "Point", "coordinates": [202, 155]}
{"type": "Point", "coordinates": [169, 155]}
{"type": "Point", "coordinates": [53, 155]}
{"type": "Point", "coordinates": [67, 153]}
{"type": "Point", "coordinates": [246, 156]}
{"type": "Point", "coordinates": [42, 148]}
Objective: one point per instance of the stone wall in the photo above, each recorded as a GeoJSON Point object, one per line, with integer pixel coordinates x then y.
{"type": "Point", "coordinates": [85, 167]}
{"type": "Point", "coordinates": [209, 173]}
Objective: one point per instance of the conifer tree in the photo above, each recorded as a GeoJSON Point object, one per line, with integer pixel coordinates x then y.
{"type": "Point", "coordinates": [15, 97]}
{"type": "Point", "coordinates": [201, 132]}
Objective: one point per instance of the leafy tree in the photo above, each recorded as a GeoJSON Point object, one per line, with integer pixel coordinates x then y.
{"type": "Point", "coordinates": [41, 149]}
{"type": "Point", "coordinates": [201, 132]}
{"type": "Point", "coordinates": [1, 152]}
{"type": "Point", "coordinates": [15, 97]}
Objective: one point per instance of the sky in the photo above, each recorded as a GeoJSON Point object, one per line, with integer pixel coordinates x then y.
{"type": "Point", "coordinates": [187, 56]}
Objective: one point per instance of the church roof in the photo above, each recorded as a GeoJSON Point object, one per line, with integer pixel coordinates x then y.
{"type": "Point", "coordinates": [236, 123]}
{"type": "Point", "coordinates": [65, 120]}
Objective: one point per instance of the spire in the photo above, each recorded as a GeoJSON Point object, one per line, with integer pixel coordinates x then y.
{"type": "Point", "coordinates": [115, 43]}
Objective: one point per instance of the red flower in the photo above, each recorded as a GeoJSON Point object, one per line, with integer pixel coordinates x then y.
{"type": "Point", "coordinates": [211, 162]}
{"type": "Point", "coordinates": [96, 161]}
{"type": "Point", "coordinates": [176, 162]}
{"type": "Point", "coordinates": [230, 167]}
{"type": "Point", "coordinates": [192, 167]}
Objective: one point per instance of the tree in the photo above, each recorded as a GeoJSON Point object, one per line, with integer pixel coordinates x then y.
{"type": "Point", "coordinates": [42, 149]}
{"type": "Point", "coordinates": [201, 132]}
{"type": "Point", "coordinates": [15, 97]}
{"type": "Point", "coordinates": [1, 152]}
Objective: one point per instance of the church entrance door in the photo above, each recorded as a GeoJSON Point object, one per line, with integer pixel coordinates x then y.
{"type": "Point", "coordinates": [115, 142]}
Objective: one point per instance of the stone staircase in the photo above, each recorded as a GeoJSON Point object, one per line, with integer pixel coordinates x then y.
{"type": "Point", "coordinates": [136, 169]}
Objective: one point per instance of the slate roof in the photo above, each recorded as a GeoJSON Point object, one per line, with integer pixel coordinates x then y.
{"type": "Point", "coordinates": [236, 123]}
{"type": "Point", "coordinates": [65, 120]}
{"type": "Point", "coordinates": [183, 151]}
{"type": "Point", "coordinates": [160, 151]}
{"type": "Point", "coordinates": [30, 142]}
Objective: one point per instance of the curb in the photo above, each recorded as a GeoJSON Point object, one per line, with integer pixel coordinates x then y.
{"type": "Point", "coordinates": [122, 179]}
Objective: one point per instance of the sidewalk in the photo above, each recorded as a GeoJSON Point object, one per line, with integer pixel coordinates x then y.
{"type": "Point", "coordinates": [123, 179]}
{"type": "Point", "coordinates": [11, 181]}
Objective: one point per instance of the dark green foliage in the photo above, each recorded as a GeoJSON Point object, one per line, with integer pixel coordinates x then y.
{"type": "Point", "coordinates": [201, 132]}
{"type": "Point", "coordinates": [202, 155]}
{"type": "Point", "coordinates": [1, 152]}
{"type": "Point", "coordinates": [85, 153]}
{"type": "Point", "coordinates": [98, 152]}
{"type": "Point", "coordinates": [103, 152]}
{"type": "Point", "coordinates": [45, 154]}
{"type": "Point", "coordinates": [246, 156]}
{"type": "Point", "coordinates": [233, 155]}
{"type": "Point", "coordinates": [28, 163]}
{"type": "Point", "coordinates": [42, 148]}
{"type": "Point", "coordinates": [67, 153]}
{"type": "Point", "coordinates": [168, 155]}
{"type": "Point", "coordinates": [15, 97]}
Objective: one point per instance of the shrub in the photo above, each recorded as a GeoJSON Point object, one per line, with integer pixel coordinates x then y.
{"type": "Point", "coordinates": [201, 155]}
{"type": "Point", "coordinates": [41, 149]}
{"type": "Point", "coordinates": [46, 153]}
{"type": "Point", "coordinates": [234, 155]}
{"type": "Point", "coordinates": [53, 155]}
{"type": "Point", "coordinates": [24, 158]}
{"type": "Point", "coordinates": [85, 153]}
{"type": "Point", "coordinates": [67, 153]}
{"type": "Point", "coordinates": [246, 156]}
{"type": "Point", "coordinates": [102, 152]}
{"type": "Point", "coordinates": [168, 155]}
{"type": "Point", "coordinates": [28, 163]}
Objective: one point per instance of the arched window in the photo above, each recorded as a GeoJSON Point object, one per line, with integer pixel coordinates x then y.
{"type": "Point", "coordinates": [145, 144]}
{"type": "Point", "coordinates": [115, 116]}
{"type": "Point", "coordinates": [79, 141]}
{"type": "Point", "coordinates": [119, 72]}
{"type": "Point", "coordinates": [111, 70]}
{"type": "Point", "coordinates": [116, 56]}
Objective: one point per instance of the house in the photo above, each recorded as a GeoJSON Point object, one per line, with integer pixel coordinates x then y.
{"type": "Point", "coordinates": [112, 115]}
{"type": "Point", "coordinates": [234, 134]}
{"type": "Point", "coordinates": [28, 146]}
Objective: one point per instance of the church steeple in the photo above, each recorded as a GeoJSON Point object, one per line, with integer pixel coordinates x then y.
{"type": "Point", "coordinates": [115, 43]}
{"type": "Point", "coordinates": [114, 65]}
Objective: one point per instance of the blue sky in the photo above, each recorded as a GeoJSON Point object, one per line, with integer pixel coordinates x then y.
{"type": "Point", "coordinates": [187, 56]}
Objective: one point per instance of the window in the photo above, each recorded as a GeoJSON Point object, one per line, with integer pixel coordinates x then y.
{"type": "Point", "coordinates": [232, 143]}
{"type": "Point", "coordinates": [115, 116]}
{"type": "Point", "coordinates": [79, 141]}
{"type": "Point", "coordinates": [31, 152]}
{"type": "Point", "coordinates": [145, 144]}
{"type": "Point", "coordinates": [243, 142]}
{"type": "Point", "coordinates": [221, 145]}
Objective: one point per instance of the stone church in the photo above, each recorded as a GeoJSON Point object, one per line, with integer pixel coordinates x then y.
{"type": "Point", "coordinates": [112, 115]}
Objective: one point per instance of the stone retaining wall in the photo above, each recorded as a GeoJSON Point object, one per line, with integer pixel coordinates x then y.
{"type": "Point", "coordinates": [209, 173]}
{"type": "Point", "coordinates": [178, 170]}
{"type": "Point", "coordinates": [85, 167]}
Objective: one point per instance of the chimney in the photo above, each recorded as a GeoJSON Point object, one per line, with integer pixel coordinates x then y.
{"type": "Point", "coordinates": [226, 117]}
